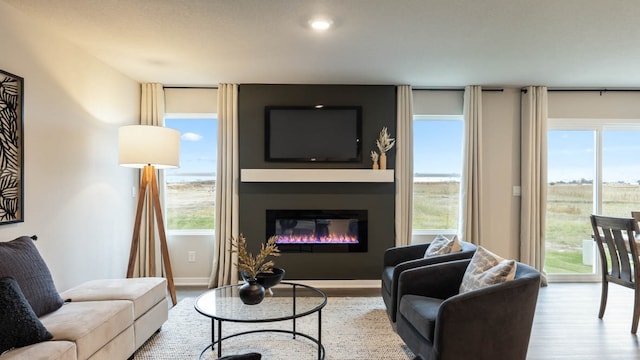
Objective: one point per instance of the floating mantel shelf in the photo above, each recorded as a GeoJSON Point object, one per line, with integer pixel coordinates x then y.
{"type": "Point", "coordinates": [316, 175]}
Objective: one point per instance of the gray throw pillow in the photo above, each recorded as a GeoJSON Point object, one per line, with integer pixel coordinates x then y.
{"type": "Point", "coordinates": [442, 245]}
{"type": "Point", "coordinates": [19, 325]}
{"type": "Point", "coordinates": [21, 260]}
{"type": "Point", "coordinates": [485, 269]}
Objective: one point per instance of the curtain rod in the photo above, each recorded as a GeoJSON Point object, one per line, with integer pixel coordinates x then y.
{"type": "Point", "coordinates": [189, 87]}
{"type": "Point", "coordinates": [601, 91]}
{"type": "Point", "coordinates": [598, 90]}
{"type": "Point", "coordinates": [455, 89]}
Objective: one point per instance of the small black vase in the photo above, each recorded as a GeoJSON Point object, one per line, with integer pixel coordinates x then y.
{"type": "Point", "coordinates": [251, 293]}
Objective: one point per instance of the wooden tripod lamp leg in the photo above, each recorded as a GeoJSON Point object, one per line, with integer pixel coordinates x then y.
{"type": "Point", "coordinates": [135, 239]}
{"type": "Point", "coordinates": [163, 237]}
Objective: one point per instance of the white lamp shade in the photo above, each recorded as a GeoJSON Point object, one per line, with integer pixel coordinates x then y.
{"type": "Point", "coordinates": [141, 145]}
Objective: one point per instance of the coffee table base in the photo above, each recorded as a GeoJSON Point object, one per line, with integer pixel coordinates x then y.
{"type": "Point", "coordinates": [321, 352]}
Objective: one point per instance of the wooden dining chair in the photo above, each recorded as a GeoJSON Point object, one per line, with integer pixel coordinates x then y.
{"type": "Point", "coordinates": [619, 258]}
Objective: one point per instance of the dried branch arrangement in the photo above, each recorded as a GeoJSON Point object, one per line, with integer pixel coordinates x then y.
{"type": "Point", "coordinates": [385, 142]}
{"type": "Point", "coordinates": [374, 156]}
{"type": "Point", "coordinates": [254, 265]}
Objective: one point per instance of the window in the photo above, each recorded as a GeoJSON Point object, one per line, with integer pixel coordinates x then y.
{"type": "Point", "coordinates": [591, 169]}
{"type": "Point", "coordinates": [437, 165]}
{"type": "Point", "coordinates": [190, 189]}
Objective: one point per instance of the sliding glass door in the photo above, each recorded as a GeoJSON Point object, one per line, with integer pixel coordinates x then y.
{"type": "Point", "coordinates": [593, 167]}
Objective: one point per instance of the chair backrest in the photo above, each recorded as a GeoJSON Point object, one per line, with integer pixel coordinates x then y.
{"type": "Point", "coordinates": [617, 247]}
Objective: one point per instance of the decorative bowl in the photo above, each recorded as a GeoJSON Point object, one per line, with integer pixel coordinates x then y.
{"type": "Point", "coordinates": [267, 280]}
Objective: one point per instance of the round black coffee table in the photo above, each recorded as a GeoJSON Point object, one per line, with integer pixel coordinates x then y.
{"type": "Point", "coordinates": [224, 304]}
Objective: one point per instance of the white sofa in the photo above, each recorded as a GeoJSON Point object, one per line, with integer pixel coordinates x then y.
{"type": "Point", "coordinates": [101, 319]}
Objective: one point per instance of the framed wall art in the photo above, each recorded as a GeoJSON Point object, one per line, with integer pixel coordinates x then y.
{"type": "Point", "coordinates": [11, 148]}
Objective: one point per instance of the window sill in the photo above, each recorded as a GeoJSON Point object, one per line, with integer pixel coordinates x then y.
{"type": "Point", "coordinates": [190, 232]}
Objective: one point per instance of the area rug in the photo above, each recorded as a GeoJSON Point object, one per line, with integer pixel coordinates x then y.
{"type": "Point", "coordinates": [353, 328]}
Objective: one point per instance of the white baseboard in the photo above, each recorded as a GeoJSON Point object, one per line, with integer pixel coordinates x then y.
{"type": "Point", "coordinates": [185, 281]}
{"type": "Point", "coordinates": [326, 284]}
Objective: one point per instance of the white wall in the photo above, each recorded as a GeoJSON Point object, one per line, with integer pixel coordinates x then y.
{"type": "Point", "coordinates": [500, 172]}
{"type": "Point", "coordinates": [594, 105]}
{"type": "Point", "coordinates": [77, 199]}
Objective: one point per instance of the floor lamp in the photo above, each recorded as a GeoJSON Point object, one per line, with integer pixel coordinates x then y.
{"type": "Point", "coordinates": [149, 148]}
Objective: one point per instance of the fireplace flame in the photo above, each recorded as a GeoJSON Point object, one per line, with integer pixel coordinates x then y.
{"type": "Point", "coordinates": [314, 239]}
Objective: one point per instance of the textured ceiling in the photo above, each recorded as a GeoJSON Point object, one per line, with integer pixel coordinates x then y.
{"type": "Point", "coordinates": [424, 43]}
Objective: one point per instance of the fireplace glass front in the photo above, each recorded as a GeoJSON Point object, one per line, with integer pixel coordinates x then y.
{"type": "Point", "coordinates": [318, 230]}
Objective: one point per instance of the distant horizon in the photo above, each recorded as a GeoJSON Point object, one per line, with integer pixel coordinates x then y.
{"type": "Point", "coordinates": [438, 146]}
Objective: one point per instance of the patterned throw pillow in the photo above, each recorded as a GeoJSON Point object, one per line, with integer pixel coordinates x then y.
{"type": "Point", "coordinates": [486, 268]}
{"type": "Point", "coordinates": [442, 245]}
{"type": "Point", "coordinates": [21, 260]}
{"type": "Point", "coordinates": [19, 325]}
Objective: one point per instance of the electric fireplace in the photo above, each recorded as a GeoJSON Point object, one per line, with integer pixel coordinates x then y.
{"type": "Point", "coordinates": [318, 230]}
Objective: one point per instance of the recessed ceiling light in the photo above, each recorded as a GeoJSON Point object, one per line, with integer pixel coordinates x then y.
{"type": "Point", "coordinates": [320, 24]}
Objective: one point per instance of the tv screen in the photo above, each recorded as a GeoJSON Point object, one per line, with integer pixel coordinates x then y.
{"type": "Point", "coordinates": [309, 134]}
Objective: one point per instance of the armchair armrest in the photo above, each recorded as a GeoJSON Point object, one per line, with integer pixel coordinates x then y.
{"type": "Point", "coordinates": [397, 255]}
{"type": "Point", "coordinates": [441, 280]}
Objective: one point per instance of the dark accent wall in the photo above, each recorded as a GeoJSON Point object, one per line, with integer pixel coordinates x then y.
{"type": "Point", "coordinates": [378, 109]}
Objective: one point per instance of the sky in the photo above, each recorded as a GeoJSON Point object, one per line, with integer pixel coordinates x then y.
{"type": "Point", "coordinates": [571, 155]}
{"type": "Point", "coordinates": [437, 146]}
{"type": "Point", "coordinates": [198, 152]}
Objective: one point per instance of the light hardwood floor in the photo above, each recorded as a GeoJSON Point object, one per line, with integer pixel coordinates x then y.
{"type": "Point", "coordinates": [566, 324]}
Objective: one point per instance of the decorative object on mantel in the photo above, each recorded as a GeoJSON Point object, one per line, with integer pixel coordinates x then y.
{"type": "Point", "coordinates": [11, 147]}
{"type": "Point", "coordinates": [374, 158]}
{"type": "Point", "coordinates": [252, 292]}
{"type": "Point", "coordinates": [385, 142]}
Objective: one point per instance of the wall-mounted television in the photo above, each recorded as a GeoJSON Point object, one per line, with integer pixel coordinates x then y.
{"type": "Point", "coordinates": [311, 134]}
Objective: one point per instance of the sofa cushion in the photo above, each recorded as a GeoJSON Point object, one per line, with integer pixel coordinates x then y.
{"type": "Point", "coordinates": [486, 268]}
{"type": "Point", "coordinates": [90, 324]}
{"type": "Point", "coordinates": [442, 245]}
{"type": "Point", "coordinates": [19, 325]}
{"type": "Point", "coordinates": [48, 350]}
{"type": "Point", "coordinates": [145, 292]}
{"type": "Point", "coordinates": [20, 259]}
{"type": "Point", "coordinates": [421, 313]}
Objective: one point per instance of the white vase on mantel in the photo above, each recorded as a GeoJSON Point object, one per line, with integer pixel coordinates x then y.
{"type": "Point", "coordinates": [383, 161]}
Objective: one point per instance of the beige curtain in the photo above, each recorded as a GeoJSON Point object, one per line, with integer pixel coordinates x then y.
{"type": "Point", "coordinates": [151, 113]}
{"type": "Point", "coordinates": [404, 165]}
{"type": "Point", "coordinates": [471, 183]}
{"type": "Point", "coordinates": [223, 272]}
{"type": "Point", "coordinates": [533, 175]}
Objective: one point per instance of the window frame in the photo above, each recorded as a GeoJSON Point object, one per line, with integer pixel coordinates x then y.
{"type": "Point", "coordinates": [421, 235]}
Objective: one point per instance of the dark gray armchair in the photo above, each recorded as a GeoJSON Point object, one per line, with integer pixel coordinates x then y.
{"type": "Point", "coordinates": [398, 259]}
{"type": "Point", "coordinates": [438, 323]}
